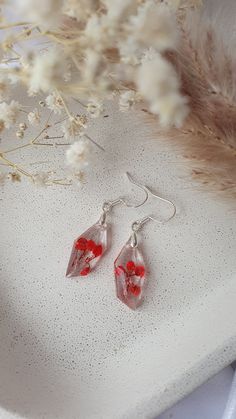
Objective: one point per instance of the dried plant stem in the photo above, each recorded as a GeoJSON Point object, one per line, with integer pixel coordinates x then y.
{"type": "Point", "coordinates": [80, 103]}
{"type": "Point", "coordinates": [98, 145]}
{"type": "Point", "coordinates": [19, 169]}
{"type": "Point", "coordinates": [13, 25]}
{"type": "Point", "coordinates": [64, 104]}
{"type": "Point", "coordinates": [34, 143]}
{"type": "Point", "coordinates": [15, 166]}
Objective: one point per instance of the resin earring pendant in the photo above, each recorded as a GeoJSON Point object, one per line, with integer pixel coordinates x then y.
{"type": "Point", "coordinates": [130, 271]}
{"type": "Point", "coordinates": [130, 275]}
{"type": "Point", "coordinates": [88, 249]}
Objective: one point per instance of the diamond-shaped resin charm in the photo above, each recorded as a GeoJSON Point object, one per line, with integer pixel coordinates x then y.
{"type": "Point", "coordinates": [87, 250]}
{"type": "Point", "coordinates": [130, 276]}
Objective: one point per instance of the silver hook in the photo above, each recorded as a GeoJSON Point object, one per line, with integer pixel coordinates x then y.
{"type": "Point", "coordinates": [140, 186]}
{"type": "Point", "coordinates": [108, 205]}
{"type": "Point", "coordinates": [139, 223]}
{"type": "Point", "coordinates": [149, 217]}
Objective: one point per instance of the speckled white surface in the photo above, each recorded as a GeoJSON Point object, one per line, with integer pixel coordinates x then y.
{"type": "Point", "coordinates": [71, 350]}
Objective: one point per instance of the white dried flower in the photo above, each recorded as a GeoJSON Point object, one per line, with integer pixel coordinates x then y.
{"type": "Point", "coordinates": [20, 134]}
{"type": "Point", "coordinates": [130, 52]}
{"type": "Point", "coordinates": [8, 113]}
{"type": "Point", "coordinates": [77, 154]}
{"type": "Point", "coordinates": [118, 10]}
{"type": "Point", "coordinates": [92, 66]}
{"type": "Point", "coordinates": [34, 117]}
{"type": "Point", "coordinates": [54, 102]}
{"type": "Point", "coordinates": [45, 13]}
{"type": "Point", "coordinates": [172, 110]}
{"type": "Point", "coordinates": [76, 177]}
{"type": "Point", "coordinates": [14, 176]}
{"type": "Point", "coordinates": [46, 71]}
{"type": "Point", "coordinates": [154, 25]}
{"type": "Point", "coordinates": [157, 82]}
{"type": "Point", "coordinates": [74, 126]}
{"type": "Point", "coordinates": [90, 48]}
{"type": "Point", "coordinates": [81, 12]}
{"type": "Point", "coordinates": [22, 126]}
{"type": "Point", "coordinates": [156, 77]}
{"type": "Point", "coordinates": [41, 179]}
{"type": "Point", "coordinates": [128, 99]}
{"type": "Point", "coordinates": [99, 32]}
{"type": "Point", "coordinates": [25, 60]}
{"type": "Point", "coordinates": [95, 107]}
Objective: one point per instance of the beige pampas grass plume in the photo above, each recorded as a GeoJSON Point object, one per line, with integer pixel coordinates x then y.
{"type": "Point", "coordinates": [206, 63]}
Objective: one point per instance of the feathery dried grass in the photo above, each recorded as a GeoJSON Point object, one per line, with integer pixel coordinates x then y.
{"type": "Point", "coordinates": [207, 68]}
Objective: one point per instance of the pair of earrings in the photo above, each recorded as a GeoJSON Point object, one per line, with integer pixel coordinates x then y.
{"type": "Point", "coordinates": [129, 266]}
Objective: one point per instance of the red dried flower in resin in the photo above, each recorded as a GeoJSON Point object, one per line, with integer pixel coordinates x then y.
{"type": "Point", "coordinates": [88, 250]}
{"type": "Point", "coordinates": [85, 271]}
{"type": "Point", "coordinates": [135, 289]}
{"type": "Point", "coordinates": [90, 245]}
{"type": "Point", "coordinates": [81, 243]}
{"type": "Point", "coordinates": [97, 250]}
{"type": "Point", "coordinates": [130, 265]}
{"type": "Point", "coordinates": [139, 271]}
{"type": "Point", "coordinates": [130, 276]}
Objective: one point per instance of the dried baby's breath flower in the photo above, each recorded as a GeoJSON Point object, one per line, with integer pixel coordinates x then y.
{"type": "Point", "coordinates": [14, 176]}
{"type": "Point", "coordinates": [172, 110]}
{"type": "Point", "coordinates": [128, 99]}
{"type": "Point", "coordinates": [81, 13]}
{"type": "Point", "coordinates": [154, 25]}
{"type": "Point", "coordinates": [93, 66]}
{"type": "Point", "coordinates": [34, 117]}
{"type": "Point", "coordinates": [158, 83]}
{"type": "Point", "coordinates": [120, 10]}
{"type": "Point", "coordinates": [77, 155]}
{"type": "Point", "coordinates": [8, 114]}
{"type": "Point", "coordinates": [22, 126]}
{"type": "Point", "coordinates": [41, 179]}
{"type": "Point", "coordinates": [20, 134]}
{"type": "Point", "coordinates": [74, 126]}
{"type": "Point", "coordinates": [99, 32]}
{"type": "Point", "coordinates": [88, 49]}
{"type": "Point", "coordinates": [46, 71]}
{"type": "Point", "coordinates": [95, 107]}
{"type": "Point", "coordinates": [54, 102]}
{"type": "Point", "coordinates": [77, 177]}
{"type": "Point", "coordinates": [45, 12]}
{"type": "Point", "coordinates": [130, 52]}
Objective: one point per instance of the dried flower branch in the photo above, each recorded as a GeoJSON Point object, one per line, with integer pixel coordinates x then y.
{"type": "Point", "coordinates": [93, 49]}
{"type": "Point", "coordinates": [159, 52]}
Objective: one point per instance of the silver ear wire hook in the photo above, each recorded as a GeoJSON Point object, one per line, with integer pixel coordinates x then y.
{"type": "Point", "coordinates": [140, 186]}
{"type": "Point", "coordinates": [108, 205]}
{"type": "Point", "coordinates": [137, 225]}
{"type": "Point", "coordinates": [149, 217]}
{"type": "Point", "coordinates": [148, 191]}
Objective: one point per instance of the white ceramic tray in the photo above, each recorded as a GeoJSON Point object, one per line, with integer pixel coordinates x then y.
{"type": "Point", "coordinates": [71, 350]}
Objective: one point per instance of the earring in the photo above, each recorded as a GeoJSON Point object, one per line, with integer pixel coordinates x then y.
{"type": "Point", "coordinates": [89, 248]}
{"type": "Point", "coordinates": [129, 266]}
